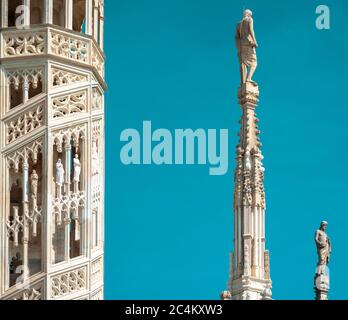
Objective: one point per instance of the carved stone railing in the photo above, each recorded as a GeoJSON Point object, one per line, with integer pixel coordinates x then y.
{"type": "Point", "coordinates": [69, 104]}
{"type": "Point", "coordinates": [40, 41]}
{"type": "Point", "coordinates": [30, 119]}
{"type": "Point", "coordinates": [69, 282]}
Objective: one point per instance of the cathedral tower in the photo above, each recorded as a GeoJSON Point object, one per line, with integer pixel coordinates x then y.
{"type": "Point", "coordinates": [52, 149]}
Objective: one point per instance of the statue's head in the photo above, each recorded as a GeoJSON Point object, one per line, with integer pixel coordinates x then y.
{"type": "Point", "coordinates": [323, 225]}
{"type": "Point", "coordinates": [76, 156]}
{"type": "Point", "coordinates": [247, 13]}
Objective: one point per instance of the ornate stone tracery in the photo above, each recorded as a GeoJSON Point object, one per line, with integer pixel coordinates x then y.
{"type": "Point", "coordinates": [24, 44]}
{"type": "Point", "coordinates": [69, 104]}
{"type": "Point", "coordinates": [61, 77]}
{"type": "Point", "coordinates": [25, 123]}
{"type": "Point", "coordinates": [69, 282]}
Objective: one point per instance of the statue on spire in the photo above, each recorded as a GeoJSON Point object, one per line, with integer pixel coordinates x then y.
{"type": "Point", "coordinates": [246, 46]}
{"type": "Point", "coordinates": [322, 276]}
{"type": "Point", "coordinates": [323, 244]}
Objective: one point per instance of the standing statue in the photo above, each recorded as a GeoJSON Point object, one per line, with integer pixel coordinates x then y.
{"type": "Point", "coordinates": [77, 172]}
{"type": "Point", "coordinates": [34, 179]}
{"type": "Point", "coordinates": [323, 244]}
{"type": "Point", "coordinates": [95, 159]}
{"type": "Point", "coordinates": [59, 177]}
{"type": "Point", "coordinates": [246, 46]}
{"type": "Point", "coordinates": [322, 276]}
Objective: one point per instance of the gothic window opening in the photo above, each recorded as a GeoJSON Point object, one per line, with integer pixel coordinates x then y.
{"type": "Point", "coordinates": [24, 217]}
{"type": "Point", "coordinates": [69, 204]}
{"type": "Point", "coordinates": [79, 15]}
{"type": "Point", "coordinates": [12, 8]}
{"type": "Point", "coordinates": [24, 86]}
{"type": "Point", "coordinates": [16, 96]}
{"type": "Point", "coordinates": [59, 13]}
{"type": "Point", "coordinates": [36, 11]}
{"type": "Point", "coordinates": [35, 90]}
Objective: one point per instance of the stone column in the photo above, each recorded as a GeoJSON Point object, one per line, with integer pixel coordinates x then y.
{"type": "Point", "coordinates": [48, 12]}
{"type": "Point", "coordinates": [25, 90]}
{"type": "Point", "coordinates": [95, 21]}
{"type": "Point", "coordinates": [101, 29]}
{"type": "Point", "coordinates": [26, 3]}
{"type": "Point", "coordinates": [67, 167]}
{"type": "Point", "coordinates": [25, 202]}
{"type": "Point", "coordinates": [67, 238]}
{"type": "Point", "coordinates": [89, 17]}
{"type": "Point", "coordinates": [4, 13]}
{"type": "Point", "coordinates": [69, 11]}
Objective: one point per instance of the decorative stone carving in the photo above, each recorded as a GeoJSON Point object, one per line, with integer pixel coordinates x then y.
{"type": "Point", "coordinates": [69, 104]}
{"type": "Point", "coordinates": [64, 136]}
{"type": "Point", "coordinates": [96, 99]}
{"type": "Point", "coordinates": [98, 61]}
{"type": "Point", "coordinates": [98, 295]}
{"type": "Point", "coordinates": [17, 223]}
{"type": "Point", "coordinates": [30, 294]}
{"type": "Point", "coordinates": [69, 282]}
{"type": "Point", "coordinates": [25, 123]}
{"type": "Point", "coordinates": [69, 47]}
{"type": "Point", "coordinates": [24, 44]}
{"type": "Point", "coordinates": [96, 271]}
{"type": "Point", "coordinates": [61, 77]}
{"type": "Point", "coordinates": [31, 76]}
{"type": "Point", "coordinates": [22, 154]}
{"type": "Point", "coordinates": [63, 206]}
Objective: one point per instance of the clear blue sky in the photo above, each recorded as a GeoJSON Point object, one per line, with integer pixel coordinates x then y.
{"type": "Point", "coordinates": [169, 229]}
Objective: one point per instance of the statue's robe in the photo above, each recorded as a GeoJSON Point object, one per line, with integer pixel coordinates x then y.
{"type": "Point", "coordinates": [323, 249]}
{"type": "Point", "coordinates": [245, 43]}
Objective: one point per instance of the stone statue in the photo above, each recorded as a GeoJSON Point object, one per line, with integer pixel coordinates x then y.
{"type": "Point", "coordinates": [59, 177]}
{"type": "Point", "coordinates": [77, 168]}
{"type": "Point", "coordinates": [323, 244]}
{"type": "Point", "coordinates": [247, 160]}
{"type": "Point", "coordinates": [95, 159]}
{"type": "Point", "coordinates": [59, 173]}
{"type": "Point", "coordinates": [34, 179]}
{"type": "Point", "coordinates": [246, 46]}
{"type": "Point", "coordinates": [77, 172]}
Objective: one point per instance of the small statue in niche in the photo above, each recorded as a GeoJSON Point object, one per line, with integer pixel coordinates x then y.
{"type": "Point", "coordinates": [34, 179]}
{"type": "Point", "coordinates": [95, 159]}
{"type": "Point", "coordinates": [77, 172]}
{"type": "Point", "coordinates": [59, 177]}
{"type": "Point", "coordinates": [15, 262]}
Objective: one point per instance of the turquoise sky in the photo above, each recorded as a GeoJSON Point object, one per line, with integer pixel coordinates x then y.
{"type": "Point", "coordinates": [169, 229]}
